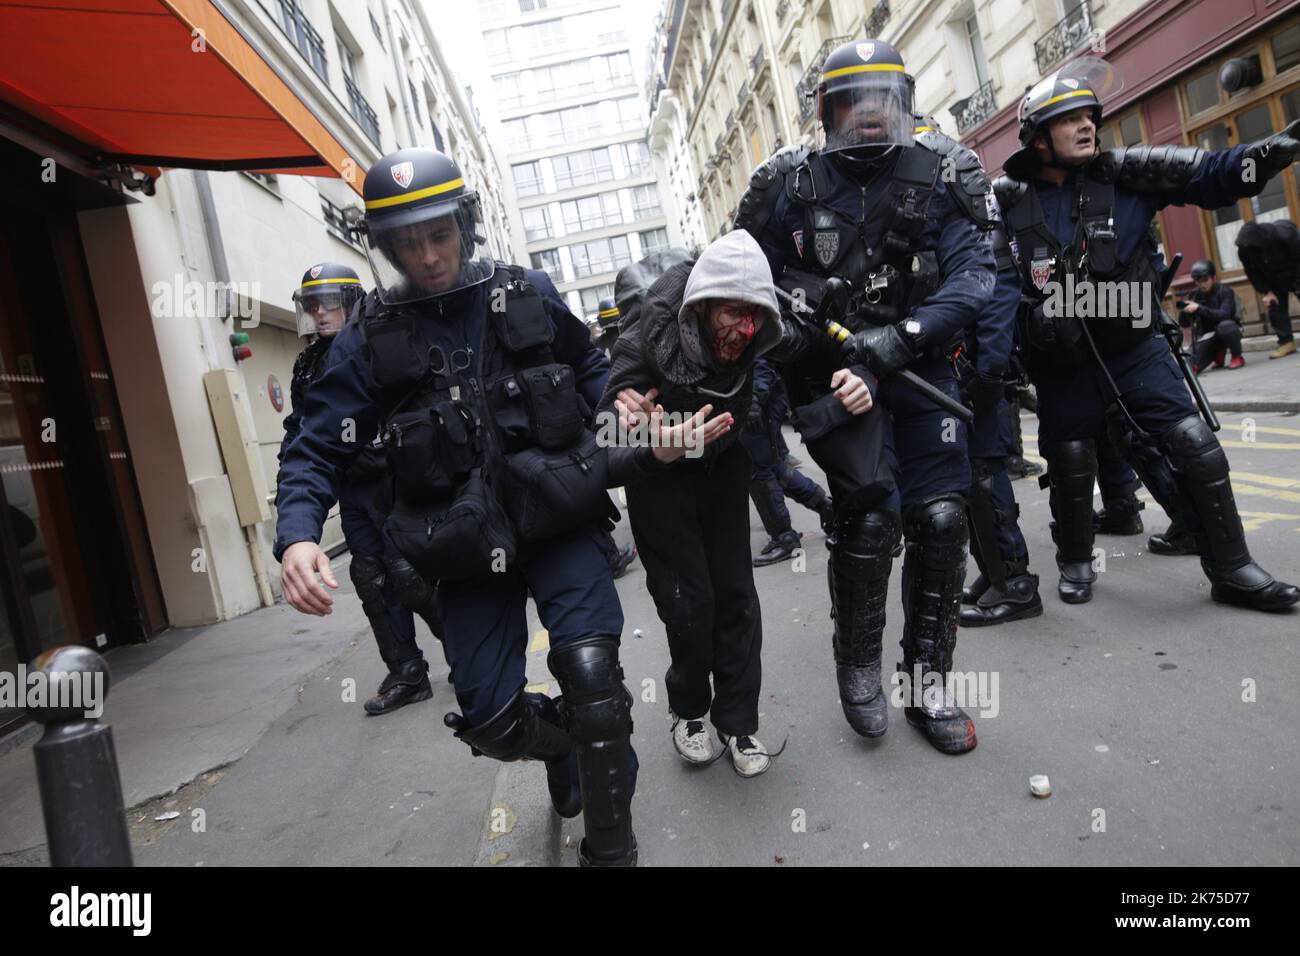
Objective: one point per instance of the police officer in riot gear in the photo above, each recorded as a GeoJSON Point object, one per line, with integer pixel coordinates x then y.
{"type": "Point", "coordinates": [1076, 216]}
{"type": "Point", "coordinates": [903, 222]}
{"type": "Point", "coordinates": [481, 380]}
{"type": "Point", "coordinates": [323, 302]}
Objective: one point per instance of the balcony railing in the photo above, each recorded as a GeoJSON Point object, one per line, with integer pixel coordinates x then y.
{"type": "Point", "coordinates": [304, 36]}
{"type": "Point", "coordinates": [974, 109]}
{"type": "Point", "coordinates": [361, 110]}
{"type": "Point", "coordinates": [782, 9]}
{"type": "Point", "coordinates": [757, 62]}
{"type": "Point", "coordinates": [731, 119]}
{"type": "Point", "coordinates": [1069, 34]}
{"type": "Point", "coordinates": [811, 76]}
{"type": "Point", "coordinates": [877, 20]}
{"type": "Point", "coordinates": [743, 96]}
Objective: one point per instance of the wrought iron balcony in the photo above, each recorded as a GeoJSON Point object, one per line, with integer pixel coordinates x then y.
{"type": "Point", "coordinates": [808, 82]}
{"type": "Point", "coordinates": [1069, 34]}
{"type": "Point", "coordinates": [298, 28]}
{"type": "Point", "coordinates": [361, 110]}
{"type": "Point", "coordinates": [717, 145]}
{"type": "Point", "coordinates": [757, 62]}
{"type": "Point", "coordinates": [974, 109]}
{"type": "Point", "coordinates": [878, 18]}
{"type": "Point", "coordinates": [743, 96]}
{"type": "Point", "coordinates": [782, 9]}
{"type": "Point", "coordinates": [731, 120]}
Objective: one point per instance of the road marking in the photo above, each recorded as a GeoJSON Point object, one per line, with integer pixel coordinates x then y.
{"type": "Point", "coordinates": [1267, 479]}
{"type": "Point", "coordinates": [542, 688]}
{"type": "Point", "coordinates": [1270, 429]}
{"type": "Point", "coordinates": [541, 641]}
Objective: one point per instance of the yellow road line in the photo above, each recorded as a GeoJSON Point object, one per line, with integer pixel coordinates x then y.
{"type": "Point", "coordinates": [541, 641]}
{"type": "Point", "coordinates": [1266, 479]}
{"type": "Point", "coordinates": [543, 688]}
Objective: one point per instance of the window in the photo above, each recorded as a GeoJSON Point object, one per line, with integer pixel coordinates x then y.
{"type": "Point", "coordinates": [528, 179]}
{"type": "Point", "coordinates": [374, 28]}
{"type": "Point", "coordinates": [537, 223]}
{"type": "Point", "coordinates": [1286, 49]}
{"type": "Point", "coordinates": [653, 241]}
{"type": "Point", "coordinates": [415, 102]}
{"type": "Point", "coordinates": [1203, 92]}
{"type": "Point", "coordinates": [509, 90]}
{"type": "Point", "coordinates": [1227, 221]}
{"type": "Point", "coordinates": [591, 212]}
{"type": "Point", "coordinates": [600, 255]}
{"type": "Point", "coordinates": [304, 36]}
{"type": "Point", "coordinates": [1270, 204]}
{"type": "Point", "coordinates": [516, 131]}
{"type": "Point", "coordinates": [549, 262]}
{"type": "Point", "coordinates": [1127, 131]}
{"type": "Point", "coordinates": [628, 114]}
{"type": "Point", "coordinates": [581, 169]}
{"type": "Point", "coordinates": [977, 50]}
{"type": "Point", "coordinates": [592, 297]}
{"type": "Point", "coordinates": [645, 202]}
{"type": "Point", "coordinates": [635, 157]}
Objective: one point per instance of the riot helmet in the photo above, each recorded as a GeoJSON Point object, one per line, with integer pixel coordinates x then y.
{"type": "Point", "coordinates": [421, 227]}
{"type": "Point", "coordinates": [325, 297]}
{"type": "Point", "coordinates": [864, 100]}
{"type": "Point", "coordinates": [1202, 269]}
{"type": "Point", "coordinates": [1085, 82]}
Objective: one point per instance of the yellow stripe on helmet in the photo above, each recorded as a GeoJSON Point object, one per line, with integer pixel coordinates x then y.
{"type": "Point", "coordinates": [923, 129]}
{"type": "Point", "coordinates": [324, 281]}
{"type": "Point", "coordinates": [418, 194]}
{"type": "Point", "coordinates": [865, 68]}
{"type": "Point", "coordinates": [608, 313]}
{"type": "Point", "coordinates": [1063, 96]}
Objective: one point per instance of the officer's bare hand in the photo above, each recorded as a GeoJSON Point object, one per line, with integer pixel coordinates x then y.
{"type": "Point", "coordinates": [1269, 299]}
{"type": "Point", "coordinates": [299, 565]}
{"type": "Point", "coordinates": [852, 391]}
{"type": "Point", "coordinates": [690, 436]}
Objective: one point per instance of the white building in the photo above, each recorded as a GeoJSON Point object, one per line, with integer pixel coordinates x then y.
{"type": "Point", "coordinates": [137, 453]}
{"type": "Point", "coordinates": [572, 119]}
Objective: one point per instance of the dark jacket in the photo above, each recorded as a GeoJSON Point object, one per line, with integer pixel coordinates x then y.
{"type": "Point", "coordinates": [1270, 254]}
{"type": "Point", "coordinates": [1212, 307]}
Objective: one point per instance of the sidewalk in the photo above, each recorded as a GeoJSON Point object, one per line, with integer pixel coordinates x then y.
{"type": "Point", "coordinates": [197, 699]}
{"type": "Point", "coordinates": [1263, 385]}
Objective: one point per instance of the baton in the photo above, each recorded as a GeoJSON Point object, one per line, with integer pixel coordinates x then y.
{"type": "Point", "coordinates": [840, 334]}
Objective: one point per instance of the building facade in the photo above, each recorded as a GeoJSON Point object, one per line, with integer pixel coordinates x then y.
{"type": "Point", "coordinates": [571, 114]}
{"type": "Point", "coordinates": [733, 80]}
{"type": "Point", "coordinates": [146, 234]}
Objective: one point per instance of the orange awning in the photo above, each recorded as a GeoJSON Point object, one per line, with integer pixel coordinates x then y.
{"type": "Point", "coordinates": [124, 77]}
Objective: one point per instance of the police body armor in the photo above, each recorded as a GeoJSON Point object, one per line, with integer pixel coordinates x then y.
{"type": "Point", "coordinates": [483, 464]}
{"type": "Point", "coordinates": [1047, 325]}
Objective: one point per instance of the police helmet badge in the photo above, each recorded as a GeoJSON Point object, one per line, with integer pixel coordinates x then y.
{"type": "Point", "coordinates": [315, 271]}
{"type": "Point", "coordinates": [866, 51]}
{"type": "Point", "coordinates": [403, 173]}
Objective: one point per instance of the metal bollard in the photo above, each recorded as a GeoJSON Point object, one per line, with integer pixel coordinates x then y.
{"type": "Point", "coordinates": [76, 766]}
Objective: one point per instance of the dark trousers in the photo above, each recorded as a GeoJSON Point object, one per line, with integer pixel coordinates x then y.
{"type": "Point", "coordinates": [1226, 336]}
{"type": "Point", "coordinates": [486, 630]}
{"type": "Point", "coordinates": [774, 478]}
{"type": "Point", "coordinates": [691, 525]}
{"type": "Point", "coordinates": [1279, 317]}
{"type": "Point", "coordinates": [993, 437]}
{"type": "Point", "coordinates": [1072, 401]}
{"type": "Point", "coordinates": [362, 510]}
{"type": "Point", "coordinates": [926, 445]}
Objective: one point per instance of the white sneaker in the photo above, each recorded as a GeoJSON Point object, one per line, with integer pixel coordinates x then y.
{"type": "Point", "coordinates": [747, 755]}
{"type": "Point", "coordinates": [692, 741]}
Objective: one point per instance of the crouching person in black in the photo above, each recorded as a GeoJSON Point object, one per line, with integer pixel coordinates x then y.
{"type": "Point", "coordinates": [480, 379]}
{"type": "Point", "coordinates": [702, 325]}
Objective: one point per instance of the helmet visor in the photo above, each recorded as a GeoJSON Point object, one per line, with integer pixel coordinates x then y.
{"type": "Point", "coordinates": [323, 310]}
{"type": "Point", "coordinates": [427, 252]}
{"type": "Point", "coordinates": [868, 109]}
{"type": "Point", "coordinates": [1092, 73]}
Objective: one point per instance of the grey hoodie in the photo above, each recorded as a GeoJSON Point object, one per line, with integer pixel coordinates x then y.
{"type": "Point", "coordinates": [666, 348]}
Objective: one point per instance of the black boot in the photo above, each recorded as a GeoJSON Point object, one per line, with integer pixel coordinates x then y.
{"type": "Point", "coordinates": [858, 573]}
{"type": "Point", "coordinates": [779, 549]}
{"type": "Point", "coordinates": [1202, 471]}
{"type": "Point", "coordinates": [1119, 516]}
{"type": "Point", "coordinates": [406, 684]}
{"type": "Point", "coordinates": [975, 590]}
{"type": "Point", "coordinates": [597, 709]}
{"type": "Point", "coordinates": [1071, 471]}
{"type": "Point", "coordinates": [1018, 468]}
{"type": "Point", "coordinates": [1017, 601]}
{"type": "Point", "coordinates": [527, 728]}
{"type": "Point", "coordinates": [1177, 540]}
{"type": "Point", "coordinates": [933, 571]}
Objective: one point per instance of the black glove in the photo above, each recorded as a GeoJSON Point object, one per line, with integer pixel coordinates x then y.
{"type": "Point", "coordinates": [1275, 153]}
{"type": "Point", "coordinates": [987, 391]}
{"type": "Point", "coordinates": [884, 349]}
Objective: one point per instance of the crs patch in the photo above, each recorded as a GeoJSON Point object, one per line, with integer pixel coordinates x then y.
{"type": "Point", "coordinates": [403, 173]}
{"type": "Point", "coordinates": [1040, 271]}
{"type": "Point", "coordinates": [826, 245]}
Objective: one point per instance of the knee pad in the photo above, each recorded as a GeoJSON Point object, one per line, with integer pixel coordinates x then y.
{"type": "Point", "coordinates": [1195, 451]}
{"type": "Point", "coordinates": [597, 706]}
{"type": "Point", "coordinates": [937, 526]}
{"type": "Point", "coordinates": [368, 575]}
{"type": "Point", "coordinates": [407, 586]}
{"type": "Point", "coordinates": [866, 544]}
{"type": "Point", "coordinates": [516, 732]}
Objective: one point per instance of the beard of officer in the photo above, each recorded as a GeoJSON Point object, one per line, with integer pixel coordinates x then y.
{"type": "Point", "coordinates": [862, 121]}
